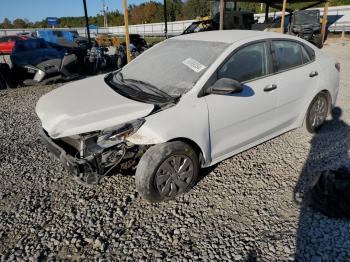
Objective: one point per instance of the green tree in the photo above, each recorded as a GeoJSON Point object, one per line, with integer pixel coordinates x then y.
{"type": "Point", "coordinates": [174, 10]}
{"type": "Point", "coordinates": [195, 8]}
{"type": "Point", "coordinates": [6, 24]}
{"type": "Point", "coordinates": [19, 23]}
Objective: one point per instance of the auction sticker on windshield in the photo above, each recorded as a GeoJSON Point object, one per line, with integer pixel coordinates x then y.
{"type": "Point", "coordinates": [193, 64]}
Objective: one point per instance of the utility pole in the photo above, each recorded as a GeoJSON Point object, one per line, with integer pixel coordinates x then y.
{"type": "Point", "coordinates": [87, 22]}
{"type": "Point", "coordinates": [267, 7]}
{"type": "Point", "coordinates": [126, 22]}
{"type": "Point", "coordinates": [165, 20]}
{"type": "Point", "coordinates": [104, 12]}
{"type": "Point", "coordinates": [283, 15]}
{"type": "Point", "coordinates": [324, 21]}
{"type": "Point", "coordinates": [222, 9]}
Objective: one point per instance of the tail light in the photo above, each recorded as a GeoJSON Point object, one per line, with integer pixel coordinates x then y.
{"type": "Point", "coordinates": [337, 66]}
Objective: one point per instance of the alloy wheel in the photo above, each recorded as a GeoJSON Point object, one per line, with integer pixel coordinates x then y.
{"type": "Point", "coordinates": [318, 112]}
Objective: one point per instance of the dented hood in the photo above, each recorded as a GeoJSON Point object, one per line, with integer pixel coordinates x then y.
{"type": "Point", "coordinates": [85, 106]}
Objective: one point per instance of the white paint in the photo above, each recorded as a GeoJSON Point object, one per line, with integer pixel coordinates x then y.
{"type": "Point", "coordinates": [84, 106]}
{"type": "Point", "coordinates": [221, 125]}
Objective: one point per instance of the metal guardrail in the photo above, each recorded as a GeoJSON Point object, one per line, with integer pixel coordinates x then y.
{"type": "Point", "coordinates": [154, 29]}
{"type": "Point", "coordinates": [340, 28]}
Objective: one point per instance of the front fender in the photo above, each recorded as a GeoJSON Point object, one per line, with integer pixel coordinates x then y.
{"type": "Point", "coordinates": [186, 120]}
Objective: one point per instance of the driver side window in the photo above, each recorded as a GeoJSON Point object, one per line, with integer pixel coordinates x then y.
{"type": "Point", "coordinates": [246, 64]}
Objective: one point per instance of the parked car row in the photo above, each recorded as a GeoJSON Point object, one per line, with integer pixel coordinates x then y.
{"type": "Point", "coordinates": [52, 55]}
{"type": "Point", "coordinates": [302, 23]}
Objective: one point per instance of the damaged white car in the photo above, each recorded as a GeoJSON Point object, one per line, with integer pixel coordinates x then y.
{"type": "Point", "coordinates": [187, 103]}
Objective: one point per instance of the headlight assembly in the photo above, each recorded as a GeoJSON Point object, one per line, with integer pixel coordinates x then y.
{"type": "Point", "coordinates": [117, 134]}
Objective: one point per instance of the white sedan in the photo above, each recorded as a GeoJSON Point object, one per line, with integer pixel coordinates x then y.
{"type": "Point", "coordinates": [187, 103]}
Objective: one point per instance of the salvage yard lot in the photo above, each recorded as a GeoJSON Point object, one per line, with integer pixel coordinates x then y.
{"type": "Point", "coordinates": [249, 207]}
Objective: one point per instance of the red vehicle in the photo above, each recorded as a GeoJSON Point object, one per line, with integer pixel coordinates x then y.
{"type": "Point", "coordinates": [8, 42]}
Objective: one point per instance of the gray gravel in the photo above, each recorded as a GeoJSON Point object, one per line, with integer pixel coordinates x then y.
{"type": "Point", "coordinates": [249, 207]}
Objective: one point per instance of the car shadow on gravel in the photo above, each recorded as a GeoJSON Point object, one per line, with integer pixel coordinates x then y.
{"type": "Point", "coordinates": [205, 172]}
{"type": "Point", "coordinates": [320, 238]}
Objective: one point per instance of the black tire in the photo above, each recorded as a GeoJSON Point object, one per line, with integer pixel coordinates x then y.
{"type": "Point", "coordinates": [318, 41]}
{"type": "Point", "coordinates": [3, 84]}
{"type": "Point", "coordinates": [310, 124]}
{"type": "Point", "coordinates": [150, 171]}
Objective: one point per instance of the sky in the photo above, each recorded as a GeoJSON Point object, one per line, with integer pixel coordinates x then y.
{"type": "Point", "coordinates": [37, 10]}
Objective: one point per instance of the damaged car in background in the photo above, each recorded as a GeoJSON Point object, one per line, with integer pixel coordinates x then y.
{"type": "Point", "coordinates": [35, 61]}
{"type": "Point", "coordinates": [187, 103]}
{"type": "Point", "coordinates": [306, 24]}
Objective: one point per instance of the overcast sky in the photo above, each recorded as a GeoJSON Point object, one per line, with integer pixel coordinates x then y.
{"type": "Point", "coordinates": [36, 10]}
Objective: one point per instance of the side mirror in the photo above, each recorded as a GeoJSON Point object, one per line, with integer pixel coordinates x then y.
{"type": "Point", "coordinates": [225, 86]}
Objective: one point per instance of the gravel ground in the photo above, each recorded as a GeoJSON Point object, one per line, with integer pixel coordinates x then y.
{"type": "Point", "coordinates": [248, 208]}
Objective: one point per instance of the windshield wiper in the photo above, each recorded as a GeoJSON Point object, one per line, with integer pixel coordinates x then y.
{"type": "Point", "coordinates": [134, 91]}
{"type": "Point", "coordinates": [151, 88]}
{"type": "Point", "coordinates": [140, 86]}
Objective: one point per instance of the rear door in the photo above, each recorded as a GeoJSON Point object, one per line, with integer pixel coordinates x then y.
{"type": "Point", "coordinates": [296, 74]}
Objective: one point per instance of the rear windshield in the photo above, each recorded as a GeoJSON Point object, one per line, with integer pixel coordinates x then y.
{"type": "Point", "coordinates": [30, 44]}
{"type": "Point", "coordinates": [174, 66]}
{"type": "Point", "coordinates": [306, 18]}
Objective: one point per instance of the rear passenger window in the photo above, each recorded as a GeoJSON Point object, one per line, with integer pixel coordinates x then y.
{"type": "Point", "coordinates": [306, 57]}
{"type": "Point", "coordinates": [289, 54]}
{"type": "Point", "coordinates": [248, 63]}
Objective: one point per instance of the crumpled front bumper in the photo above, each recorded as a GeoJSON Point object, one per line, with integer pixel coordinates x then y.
{"type": "Point", "coordinates": [74, 165]}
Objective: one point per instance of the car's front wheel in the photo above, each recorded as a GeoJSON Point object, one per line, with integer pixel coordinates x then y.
{"type": "Point", "coordinates": [317, 113]}
{"type": "Point", "coordinates": [166, 170]}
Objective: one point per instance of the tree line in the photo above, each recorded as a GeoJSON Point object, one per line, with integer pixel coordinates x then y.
{"type": "Point", "coordinates": [148, 12]}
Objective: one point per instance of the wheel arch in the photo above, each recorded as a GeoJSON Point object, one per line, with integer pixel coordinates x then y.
{"type": "Point", "coordinates": [302, 116]}
{"type": "Point", "coordinates": [202, 158]}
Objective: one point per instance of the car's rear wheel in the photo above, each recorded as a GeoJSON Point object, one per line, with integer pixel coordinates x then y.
{"type": "Point", "coordinates": [166, 171]}
{"type": "Point", "coordinates": [317, 113]}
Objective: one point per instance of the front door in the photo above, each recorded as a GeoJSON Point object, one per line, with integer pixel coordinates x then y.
{"type": "Point", "coordinates": [237, 120]}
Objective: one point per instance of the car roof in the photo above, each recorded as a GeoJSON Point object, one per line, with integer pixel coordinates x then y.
{"type": "Point", "coordinates": [230, 36]}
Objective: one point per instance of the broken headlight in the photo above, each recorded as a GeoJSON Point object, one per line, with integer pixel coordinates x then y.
{"type": "Point", "coordinates": [117, 134]}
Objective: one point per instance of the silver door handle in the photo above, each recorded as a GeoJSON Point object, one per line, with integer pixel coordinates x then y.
{"type": "Point", "coordinates": [313, 74]}
{"type": "Point", "coordinates": [269, 88]}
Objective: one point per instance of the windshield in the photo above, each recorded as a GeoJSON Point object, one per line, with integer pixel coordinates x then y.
{"type": "Point", "coordinates": [173, 66]}
{"type": "Point", "coordinates": [199, 27]}
{"type": "Point", "coordinates": [306, 18]}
